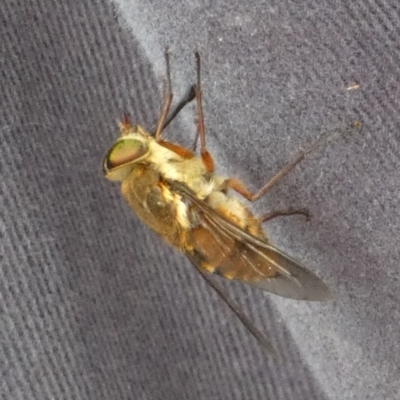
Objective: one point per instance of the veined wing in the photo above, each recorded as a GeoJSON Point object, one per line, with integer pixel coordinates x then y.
{"type": "Point", "coordinates": [219, 246]}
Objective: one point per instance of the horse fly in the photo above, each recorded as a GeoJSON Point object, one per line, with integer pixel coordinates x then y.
{"type": "Point", "coordinates": [179, 196]}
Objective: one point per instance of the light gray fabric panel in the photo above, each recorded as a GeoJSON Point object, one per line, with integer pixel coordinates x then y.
{"type": "Point", "coordinates": [94, 305]}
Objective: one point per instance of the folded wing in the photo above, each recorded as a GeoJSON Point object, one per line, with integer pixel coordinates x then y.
{"type": "Point", "coordinates": [219, 246]}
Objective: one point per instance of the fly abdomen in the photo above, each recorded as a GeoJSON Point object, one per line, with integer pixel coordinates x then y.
{"type": "Point", "coordinates": [224, 256]}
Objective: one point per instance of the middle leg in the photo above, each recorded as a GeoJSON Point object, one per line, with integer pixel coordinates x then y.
{"type": "Point", "coordinates": [239, 187]}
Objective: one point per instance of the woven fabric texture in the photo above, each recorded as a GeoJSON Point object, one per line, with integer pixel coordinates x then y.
{"type": "Point", "coordinates": [93, 305]}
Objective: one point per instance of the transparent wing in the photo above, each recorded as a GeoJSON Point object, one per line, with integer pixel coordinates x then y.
{"type": "Point", "coordinates": [219, 246]}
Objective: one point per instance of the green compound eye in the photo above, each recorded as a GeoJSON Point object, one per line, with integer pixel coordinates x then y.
{"type": "Point", "coordinates": [124, 152]}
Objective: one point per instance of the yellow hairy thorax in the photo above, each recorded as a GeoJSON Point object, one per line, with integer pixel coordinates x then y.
{"type": "Point", "coordinates": [190, 171]}
{"type": "Point", "coordinates": [206, 186]}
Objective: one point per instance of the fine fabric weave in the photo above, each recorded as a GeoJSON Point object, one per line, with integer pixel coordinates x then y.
{"type": "Point", "coordinates": [93, 305]}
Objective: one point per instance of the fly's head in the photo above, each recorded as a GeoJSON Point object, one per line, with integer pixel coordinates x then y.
{"type": "Point", "coordinates": [130, 148]}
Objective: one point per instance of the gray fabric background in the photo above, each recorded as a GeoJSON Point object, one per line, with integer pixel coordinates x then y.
{"type": "Point", "coordinates": [93, 305]}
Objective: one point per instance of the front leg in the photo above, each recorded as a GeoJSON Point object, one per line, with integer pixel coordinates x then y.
{"type": "Point", "coordinates": [205, 154]}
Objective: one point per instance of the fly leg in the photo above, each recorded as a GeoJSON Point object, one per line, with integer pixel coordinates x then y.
{"type": "Point", "coordinates": [286, 213]}
{"type": "Point", "coordinates": [190, 95]}
{"type": "Point", "coordinates": [168, 96]}
{"type": "Point", "coordinates": [239, 187]}
{"type": "Point", "coordinates": [164, 121]}
{"type": "Point", "coordinates": [205, 155]}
